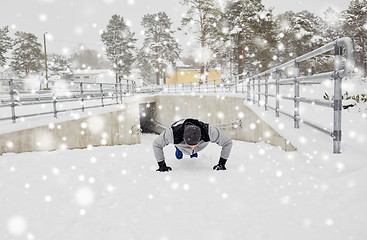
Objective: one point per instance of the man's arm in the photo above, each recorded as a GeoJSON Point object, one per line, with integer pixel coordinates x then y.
{"type": "Point", "coordinates": [160, 142]}
{"type": "Point", "coordinates": [218, 137]}
{"type": "Point", "coordinates": [225, 142]}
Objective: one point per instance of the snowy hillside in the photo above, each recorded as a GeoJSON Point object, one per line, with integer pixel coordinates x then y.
{"type": "Point", "coordinates": [115, 193]}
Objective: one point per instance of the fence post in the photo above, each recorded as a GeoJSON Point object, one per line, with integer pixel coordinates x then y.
{"type": "Point", "coordinates": [253, 91]}
{"type": "Point", "coordinates": [266, 92]}
{"type": "Point", "coordinates": [117, 93]}
{"type": "Point", "coordinates": [258, 91]}
{"type": "Point", "coordinates": [235, 82]}
{"type": "Point", "coordinates": [101, 88]}
{"type": "Point", "coordinates": [248, 90]}
{"type": "Point", "coordinates": [338, 104]}
{"type": "Point", "coordinates": [54, 99]}
{"type": "Point", "coordinates": [296, 94]}
{"type": "Point", "coordinates": [81, 95]}
{"type": "Point", "coordinates": [12, 106]}
{"type": "Point", "coordinates": [277, 92]}
{"type": "Point", "coordinates": [120, 84]}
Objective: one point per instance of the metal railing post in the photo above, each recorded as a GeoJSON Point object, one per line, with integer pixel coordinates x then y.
{"type": "Point", "coordinates": [11, 92]}
{"type": "Point", "coordinates": [253, 91]}
{"type": "Point", "coordinates": [101, 88]}
{"type": "Point", "coordinates": [81, 95]}
{"type": "Point", "coordinates": [54, 99]}
{"type": "Point", "coordinates": [266, 92]}
{"type": "Point", "coordinates": [120, 84]}
{"type": "Point", "coordinates": [258, 91]}
{"type": "Point", "coordinates": [337, 131]}
{"type": "Point", "coordinates": [116, 92]}
{"type": "Point", "coordinates": [296, 94]}
{"type": "Point", "coordinates": [235, 82]}
{"type": "Point", "coordinates": [277, 96]}
{"type": "Point", "coordinates": [248, 90]}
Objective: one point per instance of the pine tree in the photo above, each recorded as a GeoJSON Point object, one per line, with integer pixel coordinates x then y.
{"type": "Point", "coordinates": [86, 58]}
{"type": "Point", "coordinates": [119, 43]}
{"type": "Point", "coordinates": [27, 54]}
{"type": "Point", "coordinates": [252, 34]}
{"type": "Point", "coordinates": [333, 22]}
{"type": "Point", "coordinates": [202, 19]}
{"type": "Point", "coordinates": [356, 28]}
{"type": "Point", "coordinates": [160, 50]}
{"type": "Point", "coordinates": [5, 44]}
{"type": "Point", "coordinates": [300, 33]}
{"type": "Point", "coordinates": [58, 65]}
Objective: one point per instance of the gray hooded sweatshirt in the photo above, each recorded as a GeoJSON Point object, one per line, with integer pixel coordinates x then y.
{"type": "Point", "coordinates": [215, 135]}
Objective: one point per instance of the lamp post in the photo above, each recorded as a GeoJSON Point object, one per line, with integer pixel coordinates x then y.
{"type": "Point", "coordinates": [44, 45]}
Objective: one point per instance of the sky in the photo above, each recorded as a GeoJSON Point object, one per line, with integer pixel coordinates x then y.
{"type": "Point", "coordinates": [73, 23]}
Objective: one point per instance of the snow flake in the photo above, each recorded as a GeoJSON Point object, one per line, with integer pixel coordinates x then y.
{"type": "Point", "coordinates": [279, 173]}
{"type": "Point", "coordinates": [307, 222]}
{"type": "Point", "coordinates": [17, 225]}
{"type": "Point", "coordinates": [93, 159]}
{"type": "Point", "coordinates": [48, 198]}
{"type": "Point", "coordinates": [186, 187]}
{"type": "Point", "coordinates": [30, 236]}
{"type": "Point", "coordinates": [224, 195]}
{"type": "Point", "coordinates": [43, 17]}
{"type": "Point", "coordinates": [212, 179]}
{"type": "Point", "coordinates": [302, 140]}
{"type": "Point", "coordinates": [84, 196]}
{"type": "Point", "coordinates": [174, 185]}
{"type": "Point", "coordinates": [340, 166]}
{"type": "Point", "coordinates": [285, 200]}
{"type": "Point", "coordinates": [55, 171]}
{"type": "Point", "coordinates": [111, 188]}
{"type": "Point", "coordinates": [261, 151]}
{"type": "Point", "coordinates": [10, 144]}
{"type": "Point", "coordinates": [220, 115]}
{"type": "Point", "coordinates": [252, 126]}
{"type": "Point", "coordinates": [91, 180]}
{"type": "Point", "coordinates": [329, 222]}
{"type": "Point", "coordinates": [82, 212]}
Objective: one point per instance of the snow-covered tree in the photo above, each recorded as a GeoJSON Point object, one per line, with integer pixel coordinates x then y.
{"type": "Point", "coordinates": [251, 30]}
{"type": "Point", "coordinates": [119, 43]}
{"type": "Point", "coordinates": [201, 21]}
{"type": "Point", "coordinates": [300, 33]}
{"type": "Point", "coordinates": [160, 50]}
{"type": "Point", "coordinates": [27, 54]}
{"type": "Point", "coordinates": [333, 24]}
{"type": "Point", "coordinates": [58, 65]}
{"type": "Point", "coordinates": [5, 44]}
{"type": "Point", "coordinates": [86, 58]}
{"type": "Point", "coordinates": [356, 28]}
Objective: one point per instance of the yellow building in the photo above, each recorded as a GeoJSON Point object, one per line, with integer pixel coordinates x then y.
{"type": "Point", "coordinates": [185, 74]}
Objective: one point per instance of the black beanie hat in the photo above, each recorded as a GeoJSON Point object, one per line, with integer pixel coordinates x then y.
{"type": "Point", "coordinates": [192, 135]}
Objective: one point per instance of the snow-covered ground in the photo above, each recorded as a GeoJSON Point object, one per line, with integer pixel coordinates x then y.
{"type": "Point", "coordinates": [114, 192]}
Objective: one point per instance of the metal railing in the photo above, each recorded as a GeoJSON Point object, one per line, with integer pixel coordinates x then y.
{"type": "Point", "coordinates": [21, 94]}
{"type": "Point", "coordinates": [254, 88]}
{"type": "Point", "coordinates": [258, 87]}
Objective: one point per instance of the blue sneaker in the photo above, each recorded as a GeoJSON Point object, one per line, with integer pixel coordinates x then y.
{"type": "Point", "coordinates": [195, 155]}
{"type": "Point", "coordinates": [178, 154]}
